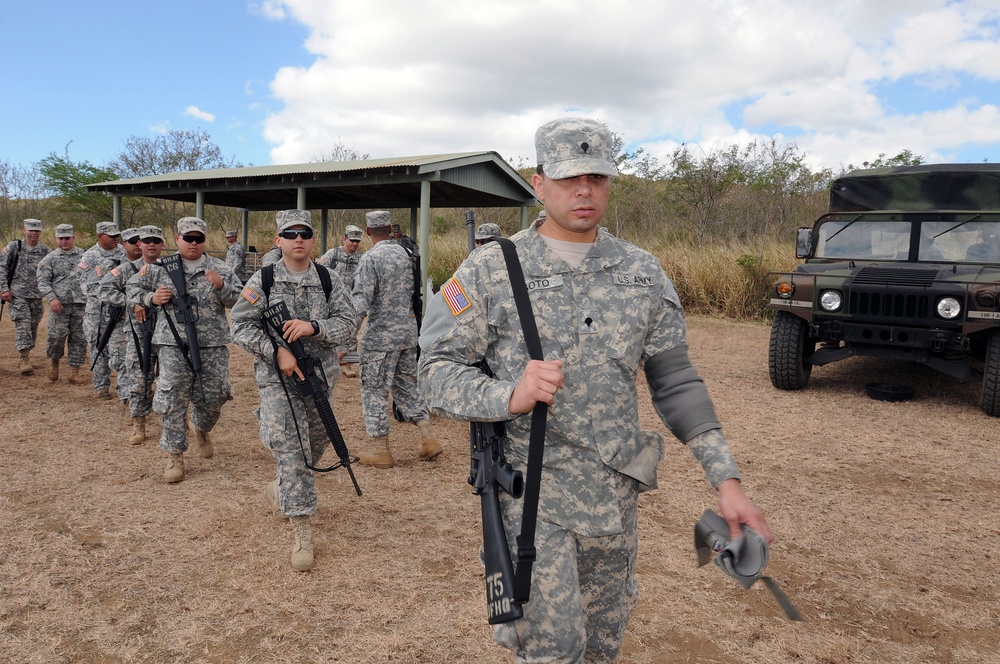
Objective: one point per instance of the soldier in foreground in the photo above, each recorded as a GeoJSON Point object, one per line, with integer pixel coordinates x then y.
{"type": "Point", "coordinates": [290, 425]}
{"type": "Point", "coordinates": [19, 287]}
{"type": "Point", "coordinates": [57, 281]}
{"type": "Point", "coordinates": [603, 309]}
{"type": "Point", "coordinates": [90, 270]}
{"type": "Point", "coordinates": [194, 358]}
{"type": "Point", "coordinates": [383, 291]}
{"type": "Point", "coordinates": [343, 262]}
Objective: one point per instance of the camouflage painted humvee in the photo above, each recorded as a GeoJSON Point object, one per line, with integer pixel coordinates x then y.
{"type": "Point", "coordinates": [905, 265]}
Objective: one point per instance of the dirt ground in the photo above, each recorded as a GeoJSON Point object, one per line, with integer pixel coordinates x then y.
{"type": "Point", "coordinates": [885, 515]}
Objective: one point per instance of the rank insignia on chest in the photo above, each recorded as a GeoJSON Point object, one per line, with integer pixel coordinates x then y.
{"type": "Point", "coordinates": [455, 296]}
{"type": "Point", "coordinates": [250, 295]}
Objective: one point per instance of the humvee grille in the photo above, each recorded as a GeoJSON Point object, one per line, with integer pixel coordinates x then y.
{"type": "Point", "coordinates": [887, 276]}
{"type": "Point", "coordinates": [889, 305]}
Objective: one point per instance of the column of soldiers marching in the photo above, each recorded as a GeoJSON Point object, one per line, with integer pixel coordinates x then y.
{"type": "Point", "coordinates": [158, 324]}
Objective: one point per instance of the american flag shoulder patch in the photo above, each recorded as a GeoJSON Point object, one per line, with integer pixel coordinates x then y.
{"type": "Point", "coordinates": [144, 269]}
{"type": "Point", "coordinates": [250, 295]}
{"type": "Point", "coordinates": [99, 271]}
{"type": "Point", "coordinates": [115, 271]}
{"type": "Point", "coordinates": [83, 265]}
{"type": "Point", "coordinates": [455, 296]}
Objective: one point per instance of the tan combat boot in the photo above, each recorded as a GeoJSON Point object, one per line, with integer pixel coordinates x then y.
{"type": "Point", "coordinates": [103, 393]}
{"type": "Point", "coordinates": [381, 457]}
{"type": "Point", "coordinates": [74, 376]}
{"type": "Point", "coordinates": [272, 500]}
{"type": "Point", "coordinates": [127, 414]}
{"type": "Point", "coordinates": [53, 370]}
{"type": "Point", "coordinates": [349, 371]}
{"type": "Point", "coordinates": [25, 366]}
{"type": "Point", "coordinates": [138, 430]}
{"type": "Point", "coordinates": [302, 549]}
{"type": "Point", "coordinates": [205, 446]}
{"type": "Point", "coordinates": [175, 469]}
{"type": "Point", "coordinates": [430, 447]}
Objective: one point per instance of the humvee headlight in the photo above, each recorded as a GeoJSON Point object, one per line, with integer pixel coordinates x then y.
{"type": "Point", "coordinates": [784, 289]}
{"type": "Point", "coordinates": [830, 300]}
{"type": "Point", "coordinates": [948, 308]}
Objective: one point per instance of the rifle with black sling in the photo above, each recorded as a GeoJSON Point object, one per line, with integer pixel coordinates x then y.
{"type": "Point", "coordinates": [186, 306]}
{"type": "Point", "coordinates": [146, 329]}
{"type": "Point", "coordinates": [490, 472]}
{"type": "Point", "coordinates": [417, 306]}
{"type": "Point", "coordinates": [12, 259]}
{"type": "Point", "coordinates": [115, 313]}
{"type": "Point", "coordinates": [313, 386]}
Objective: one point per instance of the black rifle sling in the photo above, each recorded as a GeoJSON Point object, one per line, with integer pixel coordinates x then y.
{"type": "Point", "coordinates": [536, 446]}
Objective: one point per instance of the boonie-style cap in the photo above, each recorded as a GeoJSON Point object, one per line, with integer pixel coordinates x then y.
{"type": "Point", "coordinates": [570, 147]}
{"type": "Point", "coordinates": [288, 218]}
{"type": "Point", "coordinates": [353, 232]}
{"type": "Point", "coordinates": [377, 219]}
{"type": "Point", "coordinates": [108, 228]}
{"type": "Point", "coordinates": [150, 232]}
{"type": "Point", "coordinates": [32, 224]}
{"type": "Point", "coordinates": [65, 230]}
{"type": "Point", "coordinates": [488, 230]}
{"type": "Point", "coordinates": [192, 225]}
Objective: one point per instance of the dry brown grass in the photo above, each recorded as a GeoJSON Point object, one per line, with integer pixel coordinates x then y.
{"type": "Point", "coordinates": [885, 515]}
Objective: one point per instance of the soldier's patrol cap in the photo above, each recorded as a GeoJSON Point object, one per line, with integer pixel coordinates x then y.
{"type": "Point", "coordinates": [108, 228]}
{"type": "Point", "coordinates": [569, 147]}
{"type": "Point", "coordinates": [65, 230]}
{"type": "Point", "coordinates": [353, 232]}
{"type": "Point", "coordinates": [230, 233]}
{"type": "Point", "coordinates": [377, 219]}
{"type": "Point", "coordinates": [149, 232]}
{"type": "Point", "coordinates": [288, 218]}
{"type": "Point", "coordinates": [129, 233]}
{"type": "Point", "coordinates": [191, 225]}
{"type": "Point", "coordinates": [488, 230]}
{"type": "Point", "coordinates": [396, 229]}
{"type": "Point", "coordinates": [32, 224]}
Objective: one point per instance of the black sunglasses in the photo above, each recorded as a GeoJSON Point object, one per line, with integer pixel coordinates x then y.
{"type": "Point", "coordinates": [151, 240]}
{"type": "Point", "coordinates": [193, 239]}
{"type": "Point", "coordinates": [134, 240]}
{"type": "Point", "coordinates": [292, 233]}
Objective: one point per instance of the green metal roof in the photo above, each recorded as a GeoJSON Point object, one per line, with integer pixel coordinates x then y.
{"type": "Point", "coordinates": [464, 179]}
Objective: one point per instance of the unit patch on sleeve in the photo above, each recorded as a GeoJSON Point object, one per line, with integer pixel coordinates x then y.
{"type": "Point", "coordinates": [455, 296]}
{"type": "Point", "coordinates": [250, 295]}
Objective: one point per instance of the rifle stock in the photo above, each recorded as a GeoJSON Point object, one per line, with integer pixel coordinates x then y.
{"type": "Point", "coordinates": [186, 308]}
{"type": "Point", "coordinates": [115, 312]}
{"type": "Point", "coordinates": [146, 329]}
{"type": "Point", "coordinates": [312, 386]}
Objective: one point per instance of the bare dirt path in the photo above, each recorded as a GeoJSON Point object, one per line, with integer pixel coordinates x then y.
{"type": "Point", "coordinates": [886, 517]}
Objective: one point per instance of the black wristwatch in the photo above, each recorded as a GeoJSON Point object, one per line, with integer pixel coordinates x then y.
{"type": "Point", "coordinates": [315, 328]}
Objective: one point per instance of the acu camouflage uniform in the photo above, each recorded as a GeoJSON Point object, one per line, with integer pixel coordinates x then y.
{"type": "Point", "coordinates": [236, 259]}
{"type": "Point", "coordinates": [603, 320]}
{"type": "Point", "coordinates": [26, 307]}
{"type": "Point", "coordinates": [276, 417]}
{"type": "Point", "coordinates": [92, 267]}
{"type": "Point", "coordinates": [120, 337]}
{"type": "Point", "coordinates": [177, 386]}
{"type": "Point", "coordinates": [383, 288]}
{"type": "Point", "coordinates": [272, 255]}
{"type": "Point", "coordinates": [138, 389]}
{"type": "Point", "coordinates": [57, 279]}
{"type": "Point", "coordinates": [345, 266]}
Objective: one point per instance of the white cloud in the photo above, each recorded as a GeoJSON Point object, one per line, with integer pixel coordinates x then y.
{"type": "Point", "coordinates": [195, 112]}
{"type": "Point", "coordinates": [395, 77]}
{"type": "Point", "coordinates": [160, 128]}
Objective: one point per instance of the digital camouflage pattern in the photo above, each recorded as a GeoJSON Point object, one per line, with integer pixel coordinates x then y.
{"type": "Point", "coordinates": [125, 357]}
{"type": "Point", "coordinates": [57, 279]}
{"type": "Point", "coordinates": [90, 271]}
{"type": "Point", "coordinates": [276, 417]}
{"type": "Point", "coordinates": [236, 259]}
{"type": "Point", "coordinates": [345, 266]}
{"type": "Point", "coordinates": [26, 307]}
{"type": "Point", "coordinates": [383, 289]}
{"type": "Point", "coordinates": [568, 147]}
{"type": "Point", "coordinates": [118, 343]}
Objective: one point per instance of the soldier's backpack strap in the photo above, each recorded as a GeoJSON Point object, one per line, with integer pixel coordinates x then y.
{"type": "Point", "coordinates": [267, 279]}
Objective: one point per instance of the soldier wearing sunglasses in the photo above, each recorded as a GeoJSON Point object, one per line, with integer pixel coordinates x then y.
{"type": "Point", "coordinates": [213, 287]}
{"type": "Point", "coordinates": [90, 270]}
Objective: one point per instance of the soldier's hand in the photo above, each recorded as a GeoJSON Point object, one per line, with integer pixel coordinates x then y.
{"type": "Point", "coordinates": [6, 296]}
{"type": "Point", "coordinates": [55, 305]}
{"type": "Point", "coordinates": [287, 364]}
{"type": "Point", "coordinates": [736, 508]}
{"type": "Point", "coordinates": [295, 328]}
{"type": "Point", "coordinates": [340, 357]}
{"type": "Point", "coordinates": [162, 295]}
{"type": "Point", "coordinates": [140, 314]}
{"type": "Point", "coordinates": [539, 382]}
{"type": "Point", "coordinates": [214, 278]}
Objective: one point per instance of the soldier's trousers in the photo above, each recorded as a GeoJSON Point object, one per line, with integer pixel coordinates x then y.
{"type": "Point", "coordinates": [177, 386]}
{"type": "Point", "coordinates": [140, 399]}
{"type": "Point", "coordinates": [583, 589]}
{"type": "Point", "coordinates": [380, 371]}
{"type": "Point", "coordinates": [27, 315]}
{"type": "Point", "coordinates": [116, 359]}
{"type": "Point", "coordinates": [93, 324]}
{"type": "Point", "coordinates": [296, 484]}
{"type": "Point", "coordinates": [63, 326]}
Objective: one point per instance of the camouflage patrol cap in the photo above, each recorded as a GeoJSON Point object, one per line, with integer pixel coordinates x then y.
{"type": "Point", "coordinates": [288, 218]}
{"type": "Point", "coordinates": [108, 228]}
{"type": "Point", "coordinates": [396, 228]}
{"type": "Point", "coordinates": [65, 230]}
{"type": "Point", "coordinates": [191, 225]}
{"type": "Point", "coordinates": [352, 232]}
{"type": "Point", "coordinates": [230, 233]}
{"type": "Point", "coordinates": [377, 219]}
{"type": "Point", "coordinates": [148, 232]}
{"type": "Point", "coordinates": [488, 230]}
{"type": "Point", "coordinates": [129, 233]}
{"type": "Point", "coordinates": [570, 147]}
{"type": "Point", "coordinates": [32, 224]}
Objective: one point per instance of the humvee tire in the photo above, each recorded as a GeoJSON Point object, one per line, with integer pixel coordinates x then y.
{"type": "Point", "coordinates": [787, 352]}
{"type": "Point", "coordinates": [989, 401]}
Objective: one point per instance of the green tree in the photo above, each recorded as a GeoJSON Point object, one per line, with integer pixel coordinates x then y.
{"type": "Point", "coordinates": [67, 180]}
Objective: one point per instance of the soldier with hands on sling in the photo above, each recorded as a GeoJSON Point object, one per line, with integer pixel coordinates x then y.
{"type": "Point", "coordinates": [603, 309]}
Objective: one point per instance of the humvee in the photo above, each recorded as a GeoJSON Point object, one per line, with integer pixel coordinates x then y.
{"type": "Point", "coordinates": [906, 266]}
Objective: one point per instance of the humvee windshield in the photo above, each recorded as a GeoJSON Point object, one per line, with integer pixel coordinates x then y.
{"type": "Point", "coordinates": [951, 241]}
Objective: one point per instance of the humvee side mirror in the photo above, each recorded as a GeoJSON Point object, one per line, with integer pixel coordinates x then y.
{"type": "Point", "coordinates": [803, 242]}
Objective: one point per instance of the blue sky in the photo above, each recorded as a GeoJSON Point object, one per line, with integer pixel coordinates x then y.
{"type": "Point", "coordinates": [285, 81]}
